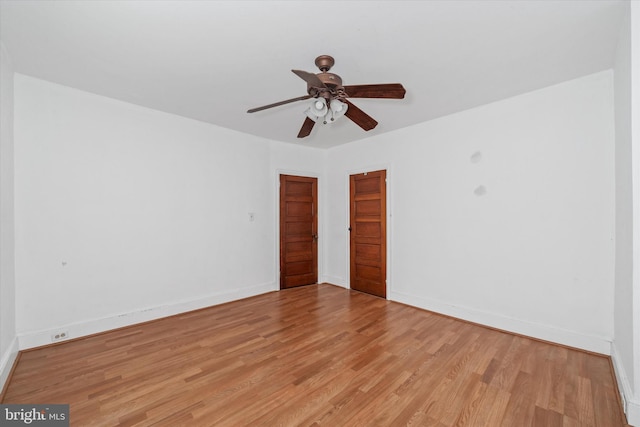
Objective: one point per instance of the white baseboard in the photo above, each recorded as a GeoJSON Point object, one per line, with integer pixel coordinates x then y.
{"type": "Point", "coordinates": [633, 413]}
{"type": "Point", "coordinates": [6, 361]}
{"type": "Point", "coordinates": [534, 330]}
{"type": "Point", "coordinates": [93, 326]}
{"type": "Point", "coordinates": [338, 281]}
{"type": "Point", "coordinates": [630, 405]}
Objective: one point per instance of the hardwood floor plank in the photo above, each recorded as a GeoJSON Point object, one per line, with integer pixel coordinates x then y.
{"type": "Point", "coordinates": [558, 360]}
{"type": "Point", "coordinates": [584, 399]}
{"type": "Point", "coordinates": [317, 355]}
{"type": "Point", "coordinates": [544, 417]}
{"type": "Point", "coordinates": [521, 406]}
{"type": "Point", "coordinates": [491, 407]}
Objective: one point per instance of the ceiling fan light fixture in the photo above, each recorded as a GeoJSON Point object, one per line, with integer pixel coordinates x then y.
{"type": "Point", "coordinates": [321, 112]}
{"type": "Point", "coordinates": [317, 110]}
{"type": "Point", "coordinates": [338, 108]}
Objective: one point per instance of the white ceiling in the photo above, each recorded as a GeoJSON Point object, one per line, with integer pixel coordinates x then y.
{"type": "Point", "coordinates": [213, 60]}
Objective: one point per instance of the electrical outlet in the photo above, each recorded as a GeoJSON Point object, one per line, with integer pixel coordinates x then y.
{"type": "Point", "coordinates": [59, 336]}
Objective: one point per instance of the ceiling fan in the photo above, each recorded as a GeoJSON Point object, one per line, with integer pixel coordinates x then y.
{"type": "Point", "coordinates": [331, 97]}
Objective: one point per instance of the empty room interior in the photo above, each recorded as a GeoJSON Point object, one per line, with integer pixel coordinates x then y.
{"type": "Point", "coordinates": [321, 213]}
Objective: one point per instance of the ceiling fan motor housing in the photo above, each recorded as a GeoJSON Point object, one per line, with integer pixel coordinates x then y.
{"type": "Point", "coordinates": [333, 86]}
{"type": "Point", "coordinates": [331, 81]}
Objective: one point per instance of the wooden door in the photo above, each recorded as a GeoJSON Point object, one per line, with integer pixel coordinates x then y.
{"type": "Point", "coordinates": [298, 231]}
{"type": "Point", "coordinates": [368, 212]}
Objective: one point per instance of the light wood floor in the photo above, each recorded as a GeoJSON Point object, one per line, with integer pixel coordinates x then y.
{"type": "Point", "coordinates": [317, 355]}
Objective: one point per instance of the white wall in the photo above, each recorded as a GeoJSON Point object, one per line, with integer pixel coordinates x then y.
{"type": "Point", "coordinates": [8, 342]}
{"type": "Point", "coordinates": [125, 213]}
{"type": "Point", "coordinates": [535, 253]}
{"type": "Point", "coordinates": [624, 336]}
{"type": "Point", "coordinates": [633, 402]}
{"type": "Point", "coordinates": [624, 201]}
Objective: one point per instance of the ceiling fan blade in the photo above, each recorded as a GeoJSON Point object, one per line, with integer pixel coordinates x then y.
{"type": "Point", "coordinates": [276, 104]}
{"type": "Point", "coordinates": [311, 79]}
{"type": "Point", "coordinates": [359, 117]}
{"type": "Point", "coordinates": [305, 130]}
{"type": "Point", "coordinates": [386, 90]}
